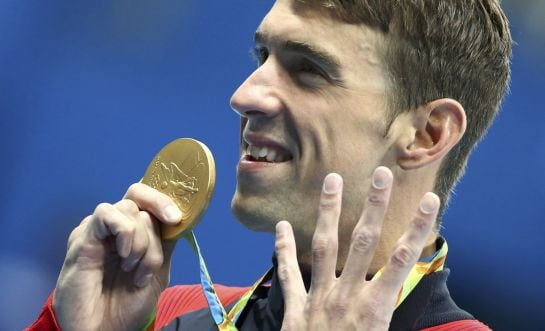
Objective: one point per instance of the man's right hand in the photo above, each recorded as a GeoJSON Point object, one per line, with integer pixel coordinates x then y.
{"type": "Point", "coordinates": [116, 265]}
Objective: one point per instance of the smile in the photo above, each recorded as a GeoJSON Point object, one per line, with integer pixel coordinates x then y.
{"type": "Point", "coordinates": [259, 149]}
{"type": "Point", "coordinates": [271, 154]}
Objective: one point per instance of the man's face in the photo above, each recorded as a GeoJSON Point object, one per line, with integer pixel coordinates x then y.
{"type": "Point", "coordinates": [316, 104]}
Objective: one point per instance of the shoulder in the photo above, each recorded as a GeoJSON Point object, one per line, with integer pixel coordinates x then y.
{"type": "Point", "coordinates": [430, 307]}
{"type": "Point", "coordinates": [182, 299]}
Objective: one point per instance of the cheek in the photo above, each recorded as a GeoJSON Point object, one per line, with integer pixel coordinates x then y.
{"type": "Point", "coordinates": [354, 154]}
{"type": "Point", "coordinates": [336, 133]}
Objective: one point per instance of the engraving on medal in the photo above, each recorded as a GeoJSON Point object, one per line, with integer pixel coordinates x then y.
{"type": "Point", "coordinates": [170, 179]}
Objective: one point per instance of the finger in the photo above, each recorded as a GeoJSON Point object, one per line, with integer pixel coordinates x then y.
{"type": "Point", "coordinates": [366, 234]}
{"type": "Point", "coordinates": [288, 270]}
{"type": "Point", "coordinates": [109, 221]}
{"type": "Point", "coordinates": [159, 204]}
{"type": "Point", "coordinates": [130, 207]}
{"type": "Point", "coordinates": [153, 258]}
{"type": "Point", "coordinates": [139, 246]}
{"type": "Point", "coordinates": [325, 240]}
{"type": "Point", "coordinates": [409, 247]}
{"type": "Point", "coordinates": [127, 207]}
{"type": "Point", "coordinates": [168, 250]}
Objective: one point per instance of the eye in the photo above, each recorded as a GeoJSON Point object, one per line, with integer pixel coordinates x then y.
{"type": "Point", "coordinates": [308, 67]}
{"type": "Point", "coordinates": [308, 73]}
{"type": "Point", "coordinates": [260, 54]}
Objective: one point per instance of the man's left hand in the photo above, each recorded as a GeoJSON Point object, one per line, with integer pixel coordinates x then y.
{"type": "Point", "coordinates": [350, 302]}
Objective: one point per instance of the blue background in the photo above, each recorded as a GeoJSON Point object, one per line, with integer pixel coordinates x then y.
{"type": "Point", "coordinates": [90, 91]}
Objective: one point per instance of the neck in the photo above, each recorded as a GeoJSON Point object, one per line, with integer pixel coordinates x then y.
{"type": "Point", "coordinates": [306, 268]}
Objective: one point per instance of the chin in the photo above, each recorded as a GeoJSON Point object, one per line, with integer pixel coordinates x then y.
{"type": "Point", "coordinates": [251, 216]}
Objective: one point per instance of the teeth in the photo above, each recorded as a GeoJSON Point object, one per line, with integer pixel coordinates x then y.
{"type": "Point", "coordinates": [271, 155]}
{"type": "Point", "coordinates": [265, 153]}
{"type": "Point", "coordinates": [254, 151]}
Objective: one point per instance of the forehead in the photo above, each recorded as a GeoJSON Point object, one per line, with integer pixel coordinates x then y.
{"type": "Point", "coordinates": [289, 20]}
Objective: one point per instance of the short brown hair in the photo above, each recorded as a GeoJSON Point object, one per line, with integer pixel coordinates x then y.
{"type": "Point", "coordinates": [440, 49]}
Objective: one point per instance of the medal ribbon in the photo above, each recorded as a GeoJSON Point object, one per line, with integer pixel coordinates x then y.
{"type": "Point", "coordinates": [425, 266]}
{"type": "Point", "coordinates": [225, 321]}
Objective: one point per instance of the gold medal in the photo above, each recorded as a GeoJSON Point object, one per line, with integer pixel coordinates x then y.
{"type": "Point", "coordinates": [184, 170]}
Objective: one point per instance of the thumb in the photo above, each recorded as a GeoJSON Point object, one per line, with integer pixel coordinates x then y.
{"type": "Point", "coordinates": [168, 250]}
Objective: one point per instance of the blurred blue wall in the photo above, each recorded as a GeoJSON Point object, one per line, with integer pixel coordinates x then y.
{"type": "Point", "coordinates": [90, 91]}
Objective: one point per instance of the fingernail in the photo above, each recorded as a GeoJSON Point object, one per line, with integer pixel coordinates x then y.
{"type": "Point", "coordinates": [143, 281]}
{"type": "Point", "coordinates": [429, 204]}
{"type": "Point", "coordinates": [281, 227]}
{"type": "Point", "coordinates": [173, 213]}
{"type": "Point", "coordinates": [278, 228]}
{"type": "Point", "coordinates": [332, 183]}
{"type": "Point", "coordinates": [381, 178]}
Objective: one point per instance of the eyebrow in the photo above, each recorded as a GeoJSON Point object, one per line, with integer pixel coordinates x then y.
{"type": "Point", "coordinates": [308, 50]}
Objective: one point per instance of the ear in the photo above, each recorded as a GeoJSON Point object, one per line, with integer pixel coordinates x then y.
{"type": "Point", "coordinates": [437, 127]}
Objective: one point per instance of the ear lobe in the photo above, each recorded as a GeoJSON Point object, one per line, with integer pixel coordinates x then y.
{"type": "Point", "coordinates": [438, 126]}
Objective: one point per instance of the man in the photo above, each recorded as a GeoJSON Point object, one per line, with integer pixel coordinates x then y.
{"type": "Point", "coordinates": [371, 105]}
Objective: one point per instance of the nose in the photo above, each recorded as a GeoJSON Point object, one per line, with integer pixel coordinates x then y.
{"type": "Point", "coordinates": [258, 96]}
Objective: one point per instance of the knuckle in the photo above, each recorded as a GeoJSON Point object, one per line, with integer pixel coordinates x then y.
{"type": "Point", "coordinates": [280, 244]}
{"type": "Point", "coordinates": [128, 206]}
{"type": "Point", "coordinates": [134, 189]}
{"type": "Point", "coordinates": [364, 240]}
{"type": "Point", "coordinates": [338, 309]}
{"type": "Point", "coordinates": [127, 229]}
{"type": "Point", "coordinates": [146, 219]}
{"type": "Point", "coordinates": [320, 246]}
{"type": "Point", "coordinates": [420, 223]}
{"type": "Point", "coordinates": [138, 249]}
{"type": "Point", "coordinates": [403, 256]}
{"type": "Point", "coordinates": [154, 261]}
{"type": "Point", "coordinates": [283, 273]}
{"type": "Point", "coordinates": [366, 315]}
{"type": "Point", "coordinates": [141, 241]}
{"type": "Point", "coordinates": [145, 216]}
{"type": "Point", "coordinates": [374, 307]}
{"type": "Point", "coordinates": [102, 209]}
{"type": "Point", "coordinates": [328, 204]}
{"type": "Point", "coordinates": [369, 309]}
{"type": "Point", "coordinates": [376, 199]}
